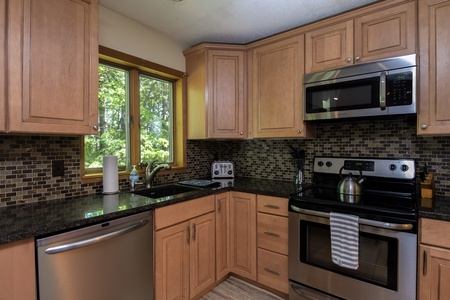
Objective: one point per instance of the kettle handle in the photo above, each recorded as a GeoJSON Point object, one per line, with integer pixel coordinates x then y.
{"type": "Point", "coordinates": [360, 173]}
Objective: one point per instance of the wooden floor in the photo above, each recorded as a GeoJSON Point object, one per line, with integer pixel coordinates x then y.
{"type": "Point", "coordinates": [236, 289]}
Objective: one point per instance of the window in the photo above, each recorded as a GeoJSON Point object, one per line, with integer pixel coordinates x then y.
{"type": "Point", "coordinates": [139, 107]}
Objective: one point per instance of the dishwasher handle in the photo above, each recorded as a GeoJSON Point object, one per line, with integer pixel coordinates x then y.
{"type": "Point", "coordinates": [95, 240]}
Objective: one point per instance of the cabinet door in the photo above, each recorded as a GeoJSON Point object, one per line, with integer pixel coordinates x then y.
{"type": "Point", "coordinates": [172, 262]}
{"type": "Point", "coordinates": [329, 47]}
{"type": "Point", "coordinates": [226, 110]}
{"type": "Point", "coordinates": [202, 254]}
{"type": "Point", "coordinates": [243, 234]}
{"type": "Point", "coordinates": [17, 272]}
{"type": "Point", "coordinates": [434, 273]}
{"type": "Point", "coordinates": [387, 33]}
{"type": "Point", "coordinates": [2, 65]}
{"type": "Point", "coordinates": [277, 90]}
{"type": "Point", "coordinates": [222, 235]}
{"type": "Point", "coordinates": [434, 45]}
{"type": "Point", "coordinates": [53, 66]}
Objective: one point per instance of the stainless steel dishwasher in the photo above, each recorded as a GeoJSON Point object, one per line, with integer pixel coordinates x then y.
{"type": "Point", "coordinates": [108, 261]}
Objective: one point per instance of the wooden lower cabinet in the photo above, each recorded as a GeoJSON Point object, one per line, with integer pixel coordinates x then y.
{"type": "Point", "coordinates": [434, 273]}
{"type": "Point", "coordinates": [17, 271]}
{"type": "Point", "coordinates": [273, 270]}
{"type": "Point", "coordinates": [172, 262]}
{"type": "Point", "coordinates": [223, 253]}
{"type": "Point", "coordinates": [273, 236]}
{"type": "Point", "coordinates": [434, 260]}
{"type": "Point", "coordinates": [243, 234]}
{"type": "Point", "coordinates": [185, 252]}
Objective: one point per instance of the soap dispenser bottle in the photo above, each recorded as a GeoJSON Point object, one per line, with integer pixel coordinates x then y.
{"type": "Point", "coordinates": [134, 177]}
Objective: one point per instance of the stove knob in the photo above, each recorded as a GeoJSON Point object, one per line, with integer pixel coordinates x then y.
{"type": "Point", "coordinates": [320, 163]}
{"type": "Point", "coordinates": [328, 164]}
{"type": "Point", "coordinates": [230, 172]}
{"type": "Point", "coordinates": [392, 167]}
{"type": "Point", "coordinates": [404, 168]}
{"type": "Point", "coordinates": [216, 172]}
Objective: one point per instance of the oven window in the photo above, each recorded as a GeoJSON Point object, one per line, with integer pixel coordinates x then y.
{"type": "Point", "coordinates": [377, 255]}
{"type": "Point", "coordinates": [356, 94]}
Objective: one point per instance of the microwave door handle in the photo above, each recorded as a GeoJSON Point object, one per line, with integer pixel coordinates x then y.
{"type": "Point", "coordinates": [383, 91]}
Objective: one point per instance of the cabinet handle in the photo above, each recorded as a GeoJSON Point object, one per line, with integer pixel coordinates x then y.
{"type": "Point", "coordinates": [271, 206]}
{"type": "Point", "coordinates": [95, 127]}
{"type": "Point", "coordinates": [424, 269]}
{"type": "Point", "coordinates": [272, 233]}
{"type": "Point", "coordinates": [272, 271]}
{"type": "Point", "coordinates": [218, 204]}
{"type": "Point", "coordinates": [357, 58]}
{"type": "Point", "coordinates": [348, 59]}
{"type": "Point", "coordinates": [188, 234]}
{"type": "Point", "coordinates": [299, 131]}
{"type": "Point", "coordinates": [424, 126]}
{"type": "Point", "coordinates": [193, 232]}
{"type": "Point", "coordinates": [241, 132]}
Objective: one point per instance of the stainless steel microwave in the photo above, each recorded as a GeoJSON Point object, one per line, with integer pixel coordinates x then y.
{"type": "Point", "coordinates": [380, 88]}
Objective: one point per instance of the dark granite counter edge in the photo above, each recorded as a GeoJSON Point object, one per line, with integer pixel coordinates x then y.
{"type": "Point", "coordinates": [55, 216]}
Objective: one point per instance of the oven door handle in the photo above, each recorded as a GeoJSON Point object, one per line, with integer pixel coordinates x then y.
{"type": "Point", "coordinates": [386, 225]}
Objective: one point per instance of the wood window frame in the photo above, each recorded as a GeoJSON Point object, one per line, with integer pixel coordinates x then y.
{"type": "Point", "coordinates": [136, 64]}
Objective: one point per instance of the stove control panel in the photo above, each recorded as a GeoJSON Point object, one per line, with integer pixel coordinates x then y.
{"type": "Point", "coordinates": [379, 167]}
{"type": "Point", "coordinates": [222, 169]}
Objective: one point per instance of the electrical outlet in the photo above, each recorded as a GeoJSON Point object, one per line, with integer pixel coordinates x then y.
{"type": "Point", "coordinates": [57, 168]}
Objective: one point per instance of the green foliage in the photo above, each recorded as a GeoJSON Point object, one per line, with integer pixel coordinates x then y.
{"type": "Point", "coordinates": [155, 119]}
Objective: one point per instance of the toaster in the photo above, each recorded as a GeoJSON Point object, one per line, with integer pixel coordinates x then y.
{"type": "Point", "coordinates": [222, 169]}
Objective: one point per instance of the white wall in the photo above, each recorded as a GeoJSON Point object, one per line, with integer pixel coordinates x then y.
{"type": "Point", "coordinates": [123, 34]}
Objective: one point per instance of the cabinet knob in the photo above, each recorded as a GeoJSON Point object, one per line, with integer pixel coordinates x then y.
{"type": "Point", "coordinates": [95, 127]}
{"type": "Point", "coordinates": [424, 126]}
{"type": "Point", "coordinates": [241, 132]}
{"type": "Point", "coordinates": [357, 58]}
{"type": "Point", "coordinates": [299, 131]}
{"type": "Point", "coordinates": [348, 59]}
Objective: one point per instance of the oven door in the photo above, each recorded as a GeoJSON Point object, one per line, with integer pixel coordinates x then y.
{"type": "Point", "coordinates": [387, 260]}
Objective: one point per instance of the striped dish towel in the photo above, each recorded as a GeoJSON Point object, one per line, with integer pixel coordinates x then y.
{"type": "Point", "coordinates": [344, 231]}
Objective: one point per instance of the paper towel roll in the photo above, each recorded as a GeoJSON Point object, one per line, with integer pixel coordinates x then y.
{"type": "Point", "coordinates": [110, 175]}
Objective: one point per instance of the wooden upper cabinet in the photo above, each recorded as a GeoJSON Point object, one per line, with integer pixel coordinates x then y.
{"type": "Point", "coordinates": [434, 71]}
{"type": "Point", "coordinates": [277, 74]}
{"type": "Point", "coordinates": [385, 32]}
{"type": "Point", "coordinates": [216, 92]}
{"type": "Point", "coordinates": [52, 66]}
{"type": "Point", "coordinates": [329, 47]}
{"type": "Point", "coordinates": [2, 65]}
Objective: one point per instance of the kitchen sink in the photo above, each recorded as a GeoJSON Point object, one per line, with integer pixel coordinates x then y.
{"type": "Point", "coordinates": [166, 191]}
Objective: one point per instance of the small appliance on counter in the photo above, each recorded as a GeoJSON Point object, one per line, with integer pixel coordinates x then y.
{"type": "Point", "coordinates": [223, 172]}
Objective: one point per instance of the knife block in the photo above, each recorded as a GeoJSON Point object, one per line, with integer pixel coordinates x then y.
{"type": "Point", "coordinates": [427, 187]}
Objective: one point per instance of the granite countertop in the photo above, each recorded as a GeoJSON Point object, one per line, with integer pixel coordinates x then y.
{"type": "Point", "coordinates": [437, 208]}
{"type": "Point", "coordinates": [54, 216]}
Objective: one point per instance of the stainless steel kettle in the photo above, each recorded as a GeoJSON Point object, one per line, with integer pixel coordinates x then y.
{"type": "Point", "coordinates": [350, 188]}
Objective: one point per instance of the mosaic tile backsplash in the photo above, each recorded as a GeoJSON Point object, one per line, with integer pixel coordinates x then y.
{"type": "Point", "coordinates": [26, 161]}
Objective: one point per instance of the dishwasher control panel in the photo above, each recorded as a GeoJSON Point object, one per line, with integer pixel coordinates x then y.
{"type": "Point", "coordinates": [222, 169]}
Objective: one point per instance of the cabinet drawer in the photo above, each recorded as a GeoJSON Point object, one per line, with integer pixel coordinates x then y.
{"type": "Point", "coordinates": [435, 232]}
{"type": "Point", "coordinates": [273, 270]}
{"type": "Point", "coordinates": [176, 213]}
{"type": "Point", "coordinates": [273, 205]}
{"type": "Point", "coordinates": [273, 233]}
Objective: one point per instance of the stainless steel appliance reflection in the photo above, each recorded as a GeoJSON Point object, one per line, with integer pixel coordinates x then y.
{"type": "Point", "coordinates": [387, 232]}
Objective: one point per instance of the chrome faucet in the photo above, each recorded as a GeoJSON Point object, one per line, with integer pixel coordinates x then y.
{"type": "Point", "coordinates": [151, 170]}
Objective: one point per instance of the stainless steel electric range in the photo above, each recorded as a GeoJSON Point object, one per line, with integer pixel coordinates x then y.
{"type": "Point", "coordinates": [386, 224]}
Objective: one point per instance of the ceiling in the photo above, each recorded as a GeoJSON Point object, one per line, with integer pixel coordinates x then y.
{"type": "Point", "coordinates": [190, 22]}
